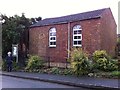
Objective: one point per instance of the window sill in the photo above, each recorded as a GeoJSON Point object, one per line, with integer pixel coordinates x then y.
{"type": "Point", "coordinates": [52, 46]}
{"type": "Point", "coordinates": [77, 45]}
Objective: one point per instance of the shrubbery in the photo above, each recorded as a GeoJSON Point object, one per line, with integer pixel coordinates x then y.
{"type": "Point", "coordinates": [112, 65]}
{"type": "Point", "coordinates": [34, 63]}
{"type": "Point", "coordinates": [115, 74]}
{"type": "Point", "coordinates": [103, 62]}
{"type": "Point", "coordinates": [68, 72]}
{"type": "Point", "coordinates": [55, 70]}
{"type": "Point", "coordinates": [79, 62]}
{"type": "Point", "coordinates": [99, 54]}
{"type": "Point", "coordinates": [4, 65]}
{"type": "Point", "coordinates": [99, 65]}
{"type": "Point", "coordinates": [15, 66]}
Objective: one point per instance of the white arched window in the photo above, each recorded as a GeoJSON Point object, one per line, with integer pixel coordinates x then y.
{"type": "Point", "coordinates": [77, 35]}
{"type": "Point", "coordinates": [52, 37]}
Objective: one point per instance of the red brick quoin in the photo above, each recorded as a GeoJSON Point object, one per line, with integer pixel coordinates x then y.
{"type": "Point", "coordinates": [98, 33]}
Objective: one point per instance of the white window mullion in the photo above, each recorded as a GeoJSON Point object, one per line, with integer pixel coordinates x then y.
{"type": "Point", "coordinates": [52, 40]}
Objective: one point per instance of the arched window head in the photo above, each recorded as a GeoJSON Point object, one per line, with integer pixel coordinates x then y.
{"type": "Point", "coordinates": [52, 32]}
{"type": "Point", "coordinates": [52, 37]}
{"type": "Point", "coordinates": [77, 35]}
{"type": "Point", "coordinates": [77, 27]}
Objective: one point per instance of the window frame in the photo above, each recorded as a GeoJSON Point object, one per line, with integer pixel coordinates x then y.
{"type": "Point", "coordinates": [77, 28]}
{"type": "Point", "coordinates": [52, 36]}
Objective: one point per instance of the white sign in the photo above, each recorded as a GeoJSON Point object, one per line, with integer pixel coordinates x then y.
{"type": "Point", "coordinates": [15, 50]}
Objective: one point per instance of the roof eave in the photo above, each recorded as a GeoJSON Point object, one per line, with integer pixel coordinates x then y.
{"type": "Point", "coordinates": [64, 22]}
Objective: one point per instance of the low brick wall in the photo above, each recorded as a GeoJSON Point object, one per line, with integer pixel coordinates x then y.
{"type": "Point", "coordinates": [58, 64]}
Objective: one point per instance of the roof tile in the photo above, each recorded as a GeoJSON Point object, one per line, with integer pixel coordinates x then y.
{"type": "Point", "coordinates": [70, 18]}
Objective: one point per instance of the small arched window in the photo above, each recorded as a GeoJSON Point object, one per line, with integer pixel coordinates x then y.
{"type": "Point", "coordinates": [77, 35]}
{"type": "Point", "coordinates": [52, 37]}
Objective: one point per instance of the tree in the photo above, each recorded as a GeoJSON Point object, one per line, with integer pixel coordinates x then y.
{"type": "Point", "coordinates": [15, 31]}
{"type": "Point", "coordinates": [34, 20]}
{"type": "Point", "coordinates": [11, 31]}
{"type": "Point", "coordinates": [9, 34]}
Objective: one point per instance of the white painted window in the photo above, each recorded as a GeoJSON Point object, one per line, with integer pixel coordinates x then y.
{"type": "Point", "coordinates": [77, 35]}
{"type": "Point", "coordinates": [52, 37]}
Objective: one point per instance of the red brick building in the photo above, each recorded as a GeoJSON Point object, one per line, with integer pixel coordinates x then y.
{"type": "Point", "coordinates": [54, 37]}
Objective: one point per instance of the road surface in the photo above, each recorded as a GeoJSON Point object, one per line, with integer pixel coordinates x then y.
{"type": "Point", "coordinates": [12, 82]}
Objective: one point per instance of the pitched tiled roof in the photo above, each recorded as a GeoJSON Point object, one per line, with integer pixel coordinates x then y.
{"type": "Point", "coordinates": [70, 18]}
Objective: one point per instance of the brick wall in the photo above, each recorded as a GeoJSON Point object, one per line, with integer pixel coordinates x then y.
{"type": "Point", "coordinates": [96, 34]}
{"type": "Point", "coordinates": [90, 34]}
{"type": "Point", "coordinates": [39, 39]}
{"type": "Point", "coordinates": [108, 32]}
{"type": "Point", "coordinates": [39, 42]}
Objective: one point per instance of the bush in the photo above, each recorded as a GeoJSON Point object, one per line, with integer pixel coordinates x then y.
{"type": "Point", "coordinates": [79, 62]}
{"type": "Point", "coordinates": [67, 72]}
{"type": "Point", "coordinates": [35, 63]}
{"type": "Point", "coordinates": [4, 65]}
{"type": "Point", "coordinates": [15, 66]}
{"type": "Point", "coordinates": [100, 59]}
{"type": "Point", "coordinates": [112, 65]}
{"type": "Point", "coordinates": [115, 73]}
{"type": "Point", "coordinates": [99, 54]}
{"type": "Point", "coordinates": [55, 70]}
{"type": "Point", "coordinates": [103, 62]}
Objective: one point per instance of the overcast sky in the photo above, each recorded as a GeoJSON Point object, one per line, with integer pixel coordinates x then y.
{"type": "Point", "coordinates": [55, 8]}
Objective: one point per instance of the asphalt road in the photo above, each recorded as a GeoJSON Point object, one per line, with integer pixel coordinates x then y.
{"type": "Point", "coordinates": [11, 82]}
